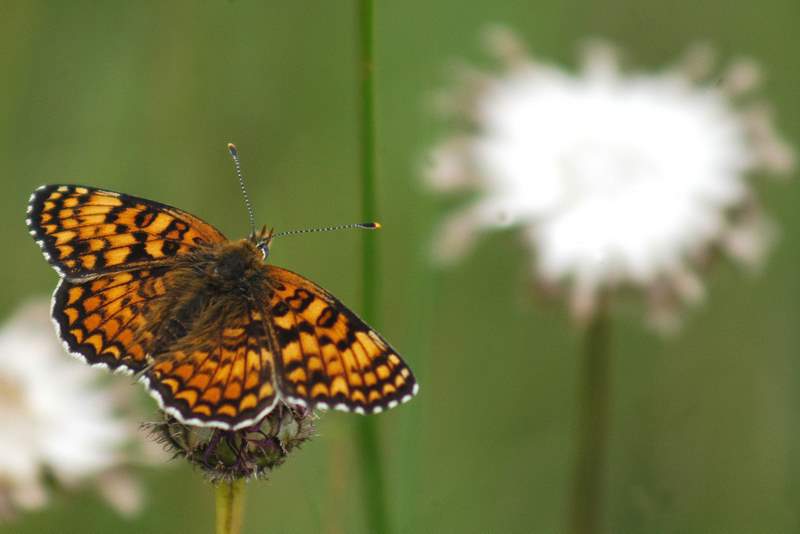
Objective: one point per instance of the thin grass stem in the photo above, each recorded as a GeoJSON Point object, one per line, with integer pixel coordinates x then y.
{"type": "Point", "coordinates": [367, 435]}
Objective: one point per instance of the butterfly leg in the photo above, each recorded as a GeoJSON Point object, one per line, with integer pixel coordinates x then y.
{"type": "Point", "coordinates": [277, 421]}
{"type": "Point", "coordinates": [238, 444]}
{"type": "Point", "coordinates": [263, 440]}
{"type": "Point", "coordinates": [230, 441]}
{"type": "Point", "coordinates": [211, 448]}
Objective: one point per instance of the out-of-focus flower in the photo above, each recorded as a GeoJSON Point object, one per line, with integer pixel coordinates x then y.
{"type": "Point", "coordinates": [58, 424]}
{"type": "Point", "coordinates": [615, 178]}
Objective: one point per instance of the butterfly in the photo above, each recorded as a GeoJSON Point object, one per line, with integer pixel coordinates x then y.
{"type": "Point", "coordinates": [217, 334]}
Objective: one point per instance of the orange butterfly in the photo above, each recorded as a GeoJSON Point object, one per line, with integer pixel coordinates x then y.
{"type": "Point", "coordinates": [217, 335]}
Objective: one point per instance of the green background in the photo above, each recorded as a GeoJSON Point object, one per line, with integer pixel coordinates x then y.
{"type": "Point", "coordinates": [142, 97]}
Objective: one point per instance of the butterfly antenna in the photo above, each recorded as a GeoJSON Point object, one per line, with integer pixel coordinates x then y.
{"type": "Point", "coordinates": [364, 226]}
{"type": "Point", "coordinates": [237, 164]}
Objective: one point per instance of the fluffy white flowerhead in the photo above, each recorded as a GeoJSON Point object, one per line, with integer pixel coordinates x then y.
{"type": "Point", "coordinates": [55, 419]}
{"type": "Point", "coordinates": [615, 178]}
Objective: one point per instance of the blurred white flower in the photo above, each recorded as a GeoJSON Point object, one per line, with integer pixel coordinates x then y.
{"type": "Point", "coordinates": [615, 178]}
{"type": "Point", "coordinates": [56, 421]}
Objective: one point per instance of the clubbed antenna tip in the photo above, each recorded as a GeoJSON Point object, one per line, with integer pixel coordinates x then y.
{"type": "Point", "coordinates": [364, 226]}
{"type": "Point", "coordinates": [233, 150]}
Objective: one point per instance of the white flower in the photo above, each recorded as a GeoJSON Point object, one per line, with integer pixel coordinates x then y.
{"type": "Point", "coordinates": [56, 420]}
{"type": "Point", "coordinates": [615, 178]}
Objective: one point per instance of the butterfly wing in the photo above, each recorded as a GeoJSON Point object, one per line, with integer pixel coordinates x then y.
{"type": "Point", "coordinates": [328, 356]}
{"type": "Point", "coordinates": [106, 321]}
{"type": "Point", "coordinates": [84, 232]}
{"type": "Point", "coordinates": [222, 376]}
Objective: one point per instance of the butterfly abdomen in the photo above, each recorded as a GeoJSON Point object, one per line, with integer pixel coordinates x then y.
{"type": "Point", "coordinates": [179, 315]}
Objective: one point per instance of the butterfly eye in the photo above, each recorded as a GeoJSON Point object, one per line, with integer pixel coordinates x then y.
{"type": "Point", "coordinates": [264, 248]}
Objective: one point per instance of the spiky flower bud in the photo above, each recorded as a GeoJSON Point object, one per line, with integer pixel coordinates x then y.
{"type": "Point", "coordinates": [225, 455]}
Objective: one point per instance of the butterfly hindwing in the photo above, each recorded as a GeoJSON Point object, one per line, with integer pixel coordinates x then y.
{"type": "Point", "coordinates": [85, 231]}
{"type": "Point", "coordinates": [328, 356]}
{"type": "Point", "coordinates": [225, 380]}
{"type": "Point", "coordinates": [105, 320]}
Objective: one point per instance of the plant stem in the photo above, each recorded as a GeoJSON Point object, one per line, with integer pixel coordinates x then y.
{"type": "Point", "coordinates": [367, 432]}
{"type": "Point", "coordinates": [585, 514]}
{"type": "Point", "coordinates": [230, 505]}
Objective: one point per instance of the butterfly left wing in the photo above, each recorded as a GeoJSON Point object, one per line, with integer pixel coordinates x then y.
{"type": "Point", "coordinates": [328, 356]}
{"type": "Point", "coordinates": [220, 375]}
{"type": "Point", "coordinates": [85, 232]}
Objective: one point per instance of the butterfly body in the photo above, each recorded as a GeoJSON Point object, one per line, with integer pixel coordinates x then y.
{"type": "Point", "coordinates": [207, 287]}
{"type": "Point", "coordinates": [218, 335]}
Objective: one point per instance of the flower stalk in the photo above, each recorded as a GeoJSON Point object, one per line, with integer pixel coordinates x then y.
{"type": "Point", "coordinates": [585, 513]}
{"type": "Point", "coordinates": [367, 436]}
{"type": "Point", "coordinates": [230, 506]}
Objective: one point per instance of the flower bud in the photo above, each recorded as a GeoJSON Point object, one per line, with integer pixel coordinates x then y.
{"type": "Point", "coordinates": [227, 455]}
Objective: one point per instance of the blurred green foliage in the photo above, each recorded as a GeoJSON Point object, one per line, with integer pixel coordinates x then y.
{"type": "Point", "coordinates": [142, 97]}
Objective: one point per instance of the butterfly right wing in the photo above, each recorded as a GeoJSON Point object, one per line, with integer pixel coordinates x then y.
{"type": "Point", "coordinates": [84, 231]}
{"type": "Point", "coordinates": [328, 356]}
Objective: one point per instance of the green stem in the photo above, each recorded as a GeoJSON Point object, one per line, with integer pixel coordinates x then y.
{"type": "Point", "coordinates": [368, 438]}
{"type": "Point", "coordinates": [585, 514]}
{"type": "Point", "coordinates": [230, 505]}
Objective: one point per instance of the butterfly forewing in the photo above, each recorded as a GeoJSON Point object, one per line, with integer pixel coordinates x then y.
{"type": "Point", "coordinates": [328, 356]}
{"type": "Point", "coordinates": [85, 231]}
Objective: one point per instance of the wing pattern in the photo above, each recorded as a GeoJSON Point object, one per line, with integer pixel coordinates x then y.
{"type": "Point", "coordinates": [329, 357]}
{"type": "Point", "coordinates": [104, 321]}
{"type": "Point", "coordinates": [226, 380]}
{"type": "Point", "coordinates": [85, 231]}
